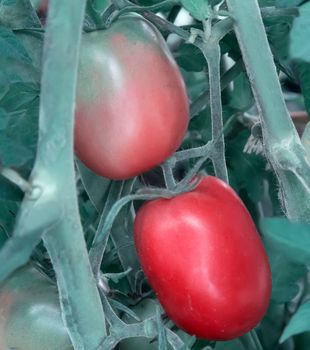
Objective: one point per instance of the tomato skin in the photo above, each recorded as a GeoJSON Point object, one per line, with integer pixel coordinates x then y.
{"type": "Point", "coordinates": [132, 108]}
{"type": "Point", "coordinates": [203, 257]}
{"type": "Point", "coordinates": [30, 317]}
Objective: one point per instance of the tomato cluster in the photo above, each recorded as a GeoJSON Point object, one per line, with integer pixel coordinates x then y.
{"type": "Point", "coordinates": [199, 250]}
{"type": "Point", "coordinates": [210, 273]}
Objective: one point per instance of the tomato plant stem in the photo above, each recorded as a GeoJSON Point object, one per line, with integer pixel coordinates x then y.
{"type": "Point", "coordinates": [282, 144]}
{"type": "Point", "coordinates": [168, 175]}
{"type": "Point", "coordinates": [203, 100]}
{"type": "Point", "coordinates": [212, 53]}
{"type": "Point", "coordinates": [255, 338]}
{"type": "Point", "coordinates": [51, 209]}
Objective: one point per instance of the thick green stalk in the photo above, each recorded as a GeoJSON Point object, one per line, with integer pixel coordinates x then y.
{"type": "Point", "coordinates": [210, 47]}
{"type": "Point", "coordinates": [54, 174]}
{"type": "Point", "coordinates": [213, 56]}
{"type": "Point", "coordinates": [282, 144]}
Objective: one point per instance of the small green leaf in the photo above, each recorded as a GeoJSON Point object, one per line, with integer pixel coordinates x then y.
{"type": "Point", "coordinates": [303, 75]}
{"type": "Point", "coordinates": [190, 58]}
{"type": "Point", "coordinates": [13, 153]}
{"type": "Point", "coordinates": [271, 326]}
{"type": "Point", "coordinates": [288, 3]}
{"type": "Point", "coordinates": [292, 239]}
{"type": "Point", "coordinates": [285, 276]}
{"type": "Point", "coordinates": [11, 48]}
{"type": "Point", "coordinates": [241, 98]}
{"type": "Point", "coordinates": [9, 191]}
{"type": "Point", "coordinates": [18, 14]}
{"type": "Point", "coordinates": [300, 322]}
{"type": "Point", "coordinates": [299, 36]}
{"type": "Point", "coordinates": [162, 336]}
{"type": "Point", "coordinates": [95, 186]}
{"type": "Point", "coordinates": [4, 119]}
{"type": "Point", "coordinates": [101, 5]}
{"type": "Point", "coordinates": [306, 139]}
{"type": "Point", "coordinates": [8, 212]}
{"type": "Point", "coordinates": [229, 345]}
{"type": "Point", "coordinates": [199, 9]}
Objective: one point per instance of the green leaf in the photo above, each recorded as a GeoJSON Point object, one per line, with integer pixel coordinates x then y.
{"type": "Point", "coordinates": [271, 326]}
{"type": "Point", "coordinates": [299, 45]}
{"type": "Point", "coordinates": [285, 276]}
{"type": "Point", "coordinates": [288, 3]}
{"type": "Point", "coordinates": [95, 186]}
{"type": "Point", "coordinates": [32, 41]}
{"type": "Point", "coordinates": [8, 212]}
{"type": "Point", "coordinates": [300, 322]}
{"type": "Point", "coordinates": [199, 9]}
{"type": "Point", "coordinates": [263, 3]}
{"type": "Point", "coordinates": [4, 119]}
{"type": "Point", "coordinates": [241, 97]}
{"type": "Point", "coordinates": [190, 58]}
{"type": "Point", "coordinates": [18, 14]}
{"type": "Point", "coordinates": [101, 5]}
{"type": "Point", "coordinates": [162, 335]}
{"type": "Point", "coordinates": [248, 170]}
{"type": "Point", "coordinates": [9, 191]}
{"type": "Point", "coordinates": [13, 153]}
{"type": "Point", "coordinates": [20, 96]}
{"type": "Point", "coordinates": [21, 57]}
{"type": "Point", "coordinates": [283, 240]}
{"type": "Point", "coordinates": [302, 341]}
{"type": "Point", "coordinates": [229, 345]}
{"type": "Point", "coordinates": [122, 235]}
{"type": "Point", "coordinates": [11, 48]}
{"type": "Point", "coordinates": [291, 238]}
{"type": "Point", "coordinates": [302, 71]}
{"type": "Point", "coordinates": [19, 139]}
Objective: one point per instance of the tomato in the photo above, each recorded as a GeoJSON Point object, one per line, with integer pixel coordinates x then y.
{"type": "Point", "coordinates": [30, 317]}
{"type": "Point", "coordinates": [132, 107]}
{"type": "Point", "coordinates": [203, 257]}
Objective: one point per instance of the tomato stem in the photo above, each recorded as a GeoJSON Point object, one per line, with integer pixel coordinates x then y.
{"type": "Point", "coordinates": [211, 50]}
{"type": "Point", "coordinates": [53, 213]}
{"type": "Point", "coordinates": [14, 177]}
{"type": "Point", "coordinates": [281, 141]}
{"type": "Point", "coordinates": [168, 175]}
{"type": "Point", "coordinates": [203, 100]}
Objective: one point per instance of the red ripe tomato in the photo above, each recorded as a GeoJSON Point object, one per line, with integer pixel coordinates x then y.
{"type": "Point", "coordinates": [205, 260]}
{"type": "Point", "coordinates": [132, 108]}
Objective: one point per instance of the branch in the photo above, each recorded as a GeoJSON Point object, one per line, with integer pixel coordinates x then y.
{"type": "Point", "coordinates": [50, 208]}
{"type": "Point", "coordinates": [283, 147]}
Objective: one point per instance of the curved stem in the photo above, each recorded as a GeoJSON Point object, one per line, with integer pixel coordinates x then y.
{"type": "Point", "coordinates": [166, 26]}
{"type": "Point", "coordinates": [168, 175]}
{"type": "Point", "coordinates": [202, 151]}
{"type": "Point", "coordinates": [116, 208]}
{"type": "Point", "coordinates": [16, 179]}
{"type": "Point", "coordinates": [256, 339]}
